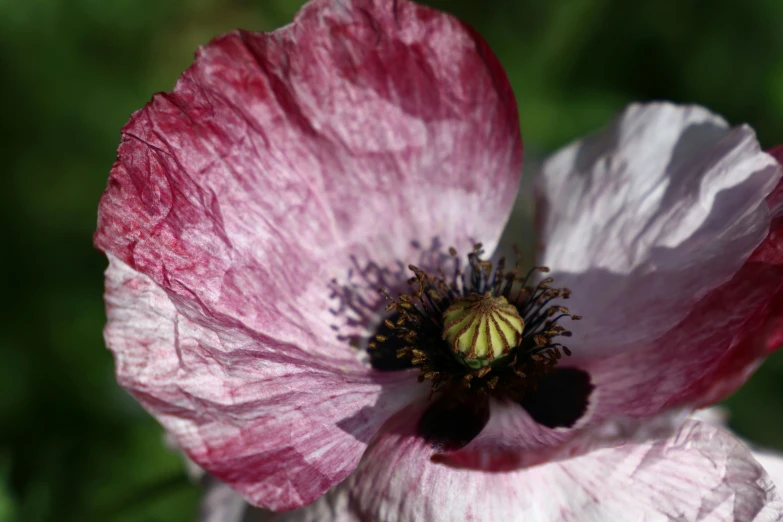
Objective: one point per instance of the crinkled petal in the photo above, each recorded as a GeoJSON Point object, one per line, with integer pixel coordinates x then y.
{"type": "Point", "coordinates": [343, 147]}
{"type": "Point", "coordinates": [252, 214]}
{"type": "Point", "coordinates": [772, 461]}
{"type": "Point", "coordinates": [645, 218]}
{"type": "Point", "coordinates": [701, 473]}
{"type": "Point", "coordinates": [714, 349]}
{"type": "Point", "coordinates": [260, 417]}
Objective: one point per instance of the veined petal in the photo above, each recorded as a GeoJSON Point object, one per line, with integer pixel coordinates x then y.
{"type": "Point", "coordinates": [253, 212]}
{"type": "Point", "coordinates": [279, 427]}
{"type": "Point", "coordinates": [291, 174]}
{"type": "Point", "coordinates": [701, 473]}
{"type": "Point", "coordinates": [645, 218]}
{"type": "Point", "coordinates": [716, 346]}
{"type": "Point", "coordinates": [669, 324]}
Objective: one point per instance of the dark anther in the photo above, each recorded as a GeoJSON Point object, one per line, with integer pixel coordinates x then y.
{"type": "Point", "coordinates": [560, 397]}
{"type": "Point", "coordinates": [477, 332]}
{"type": "Point", "coordinates": [449, 425]}
{"type": "Point", "coordinates": [383, 349]}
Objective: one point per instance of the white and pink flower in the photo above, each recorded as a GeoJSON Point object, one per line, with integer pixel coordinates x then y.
{"type": "Point", "coordinates": [253, 213]}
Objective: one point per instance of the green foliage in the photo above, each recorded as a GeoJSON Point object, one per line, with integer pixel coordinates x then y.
{"type": "Point", "coordinates": [76, 447]}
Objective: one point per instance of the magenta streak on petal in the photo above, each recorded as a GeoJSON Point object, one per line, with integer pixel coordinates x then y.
{"type": "Point", "coordinates": [715, 348]}
{"type": "Point", "coordinates": [279, 158]}
{"type": "Point", "coordinates": [699, 473]}
{"type": "Point", "coordinates": [251, 416]}
{"type": "Point", "coordinates": [253, 212]}
{"type": "Point", "coordinates": [646, 217]}
{"type": "Point", "coordinates": [510, 440]}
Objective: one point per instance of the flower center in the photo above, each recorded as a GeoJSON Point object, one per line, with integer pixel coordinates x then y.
{"type": "Point", "coordinates": [481, 331]}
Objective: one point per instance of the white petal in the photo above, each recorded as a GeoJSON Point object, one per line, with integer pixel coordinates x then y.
{"type": "Point", "coordinates": [645, 217]}
{"type": "Point", "coordinates": [221, 503]}
{"type": "Point", "coordinates": [280, 428]}
{"type": "Point", "coordinates": [773, 464]}
{"type": "Point", "coordinates": [701, 473]}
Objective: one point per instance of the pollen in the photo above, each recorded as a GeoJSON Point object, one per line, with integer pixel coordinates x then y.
{"type": "Point", "coordinates": [482, 327]}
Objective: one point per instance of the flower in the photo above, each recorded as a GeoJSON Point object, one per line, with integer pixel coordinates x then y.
{"type": "Point", "coordinates": [253, 213]}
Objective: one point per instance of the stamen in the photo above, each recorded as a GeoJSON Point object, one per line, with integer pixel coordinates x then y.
{"type": "Point", "coordinates": [482, 330]}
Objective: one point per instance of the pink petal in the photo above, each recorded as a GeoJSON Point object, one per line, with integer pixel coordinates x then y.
{"type": "Point", "coordinates": [512, 439]}
{"type": "Point", "coordinates": [715, 348]}
{"type": "Point", "coordinates": [645, 218]}
{"type": "Point", "coordinates": [278, 427]}
{"type": "Point", "coordinates": [354, 140]}
{"type": "Point", "coordinates": [253, 212]}
{"type": "Point", "coordinates": [701, 473]}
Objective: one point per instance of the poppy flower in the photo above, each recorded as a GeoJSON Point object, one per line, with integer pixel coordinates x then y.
{"type": "Point", "coordinates": [301, 286]}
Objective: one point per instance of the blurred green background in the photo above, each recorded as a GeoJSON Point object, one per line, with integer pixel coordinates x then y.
{"type": "Point", "coordinates": [76, 447]}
